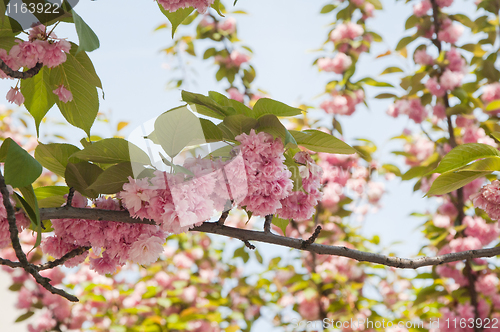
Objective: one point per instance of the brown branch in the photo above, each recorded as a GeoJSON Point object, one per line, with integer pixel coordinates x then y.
{"type": "Point", "coordinates": [472, 291]}
{"type": "Point", "coordinates": [63, 259]}
{"type": "Point", "coordinates": [20, 74]}
{"type": "Point", "coordinates": [21, 256]}
{"type": "Point", "coordinates": [10, 263]}
{"type": "Point", "coordinates": [268, 237]}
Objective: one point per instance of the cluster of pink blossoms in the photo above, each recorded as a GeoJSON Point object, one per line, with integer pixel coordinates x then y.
{"type": "Point", "coordinates": [114, 242]}
{"type": "Point", "coordinates": [343, 104]}
{"type": "Point", "coordinates": [452, 76]}
{"type": "Point", "coordinates": [413, 108]}
{"type": "Point", "coordinates": [38, 49]}
{"type": "Point", "coordinates": [235, 59]}
{"type": "Point", "coordinates": [488, 199]}
{"type": "Point", "coordinates": [349, 30]}
{"type": "Point", "coordinates": [338, 64]}
{"type": "Point", "coordinates": [301, 205]}
{"type": "Point", "coordinates": [421, 8]}
{"type": "Point", "coordinates": [491, 92]}
{"type": "Point", "coordinates": [268, 178]}
{"type": "Point", "coordinates": [178, 202]}
{"type": "Point", "coordinates": [173, 5]}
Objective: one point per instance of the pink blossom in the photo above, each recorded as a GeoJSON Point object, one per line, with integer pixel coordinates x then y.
{"type": "Point", "coordinates": [63, 94]}
{"type": "Point", "coordinates": [265, 188]}
{"type": "Point", "coordinates": [228, 26]}
{"type": "Point", "coordinates": [15, 96]}
{"type": "Point", "coordinates": [238, 58]}
{"type": "Point", "coordinates": [491, 92]}
{"type": "Point", "coordinates": [235, 94]}
{"type": "Point", "coordinates": [488, 199]}
{"type": "Point", "coordinates": [173, 5]}
{"type": "Point", "coordinates": [343, 104]}
{"type": "Point", "coordinates": [338, 64]}
{"type": "Point", "coordinates": [347, 30]}
{"type": "Point", "coordinates": [55, 53]}
{"type": "Point", "coordinates": [146, 249]}
{"type": "Point", "coordinates": [9, 61]}
{"type": "Point", "coordinates": [421, 8]}
{"type": "Point", "coordinates": [456, 62]}
{"type": "Point", "coordinates": [444, 3]}
{"type": "Point", "coordinates": [450, 32]}
{"type": "Point", "coordinates": [442, 221]}
{"type": "Point", "coordinates": [434, 88]}
{"type": "Point", "coordinates": [477, 227]}
{"type": "Point", "coordinates": [423, 58]}
{"type": "Point", "coordinates": [487, 284]}
{"type": "Point", "coordinates": [309, 309]}
{"type": "Point", "coordinates": [28, 54]}
{"type": "Point", "coordinates": [103, 265]}
{"type": "Point", "coordinates": [439, 111]}
{"type": "Point", "coordinates": [450, 80]}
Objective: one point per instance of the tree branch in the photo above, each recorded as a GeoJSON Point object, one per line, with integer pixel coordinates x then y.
{"type": "Point", "coordinates": [262, 236]}
{"type": "Point", "coordinates": [20, 74]}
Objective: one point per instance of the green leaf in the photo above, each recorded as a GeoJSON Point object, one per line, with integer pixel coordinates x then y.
{"type": "Point", "coordinates": [39, 98]}
{"type": "Point", "coordinates": [211, 132]}
{"type": "Point", "coordinates": [111, 151]}
{"type": "Point", "coordinates": [83, 65]}
{"type": "Point", "coordinates": [51, 196]}
{"type": "Point", "coordinates": [178, 128]}
{"type": "Point", "coordinates": [25, 316]}
{"type": "Point", "coordinates": [241, 252]}
{"type": "Point", "coordinates": [86, 37]}
{"type": "Point", "coordinates": [177, 17]}
{"type": "Point", "coordinates": [390, 70]}
{"type": "Point", "coordinates": [20, 168]}
{"type": "Point", "coordinates": [319, 141]}
{"type": "Point", "coordinates": [464, 154]}
{"type": "Point", "coordinates": [386, 95]}
{"type": "Point", "coordinates": [240, 123]}
{"type": "Point", "coordinates": [451, 181]}
{"type": "Point", "coordinates": [327, 8]}
{"type": "Point", "coordinates": [204, 105]}
{"type": "Point", "coordinates": [372, 82]}
{"type": "Point", "coordinates": [281, 223]}
{"type": "Point", "coordinates": [82, 110]}
{"type": "Point", "coordinates": [494, 105]}
{"type": "Point", "coordinates": [55, 156]}
{"type": "Point", "coordinates": [403, 42]}
{"type": "Point", "coordinates": [112, 179]}
{"type": "Point", "coordinates": [496, 135]}
{"type": "Point", "coordinates": [270, 106]}
{"type": "Point", "coordinates": [490, 164]}
{"type": "Point", "coordinates": [81, 175]}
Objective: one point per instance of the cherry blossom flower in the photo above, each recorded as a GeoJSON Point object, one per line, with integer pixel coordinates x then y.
{"type": "Point", "coordinates": [63, 94]}
{"type": "Point", "coordinates": [15, 96]}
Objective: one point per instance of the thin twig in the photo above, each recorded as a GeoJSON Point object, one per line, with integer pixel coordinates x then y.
{"type": "Point", "coordinates": [267, 223]}
{"type": "Point", "coordinates": [312, 238]}
{"type": "Point", "coordinates": [223, 217]}
{"type": "Point", "coordinates": [63, 259]}
{"type": "Point", "coordinates": [71, 194]}
{"type": "Point", "coordinates": [249, 245]}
